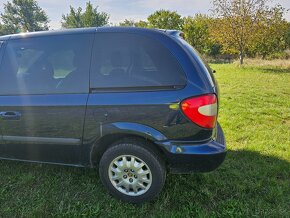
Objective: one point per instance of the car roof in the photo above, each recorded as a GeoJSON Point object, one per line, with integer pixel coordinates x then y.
{"type": "Point", "coordinates": [174, 33]}
{"type": "Point", "coordinates": [48, 33]}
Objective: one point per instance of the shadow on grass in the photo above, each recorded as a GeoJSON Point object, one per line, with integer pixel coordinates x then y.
{"type": "Point", "coordinates": [221, 61]}
{"type": "Point", "coordinates": [276, 70]}
{"type": "Point", "coordinates": [247, 183]}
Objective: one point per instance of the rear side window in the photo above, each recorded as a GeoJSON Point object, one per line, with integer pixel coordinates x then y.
{"type": "Point", "coordinates": [46, 65]}
{"type": "Point", "coordinates": [202, 63]}
{"type": "Point", "coordinates": [123, 60]}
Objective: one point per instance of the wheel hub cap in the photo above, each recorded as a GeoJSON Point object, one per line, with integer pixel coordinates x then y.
{"type": "Point", "coordinates": [130, 175]}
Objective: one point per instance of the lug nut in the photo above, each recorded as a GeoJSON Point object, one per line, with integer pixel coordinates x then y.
{"type": "Point", "coordinates": [132, 170]}
{"type": "Point", "coordinates": [131, 180]}
{"type": "Point", "coordinates": [126, 170]}
{"type": "Point", "coordinates": [125, 177]}
{"type": "Point", "coordinates": [135, 176]}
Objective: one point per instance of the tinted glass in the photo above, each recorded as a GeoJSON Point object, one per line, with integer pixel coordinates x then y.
{"type": "Point", "coordinates": [131, 60]}
{"type": "Point", "coordinates": [46, 65]}
{"type": "Point", "coordinates": [202, 62]}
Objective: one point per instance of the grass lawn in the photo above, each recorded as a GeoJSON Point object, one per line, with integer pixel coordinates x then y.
{"type": "Point", "coordinates": [253, 181]}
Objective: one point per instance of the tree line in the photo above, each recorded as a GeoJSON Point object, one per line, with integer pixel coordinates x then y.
{"type": "Point", "coordinates": [235, 28]}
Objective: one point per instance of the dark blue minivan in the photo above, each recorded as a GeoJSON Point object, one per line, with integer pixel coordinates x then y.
{"type": "Point", "coordinates": [136, 103]}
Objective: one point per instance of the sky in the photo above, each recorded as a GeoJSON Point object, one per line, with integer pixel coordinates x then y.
{"type": "Point", "coordinates": [120, 10]}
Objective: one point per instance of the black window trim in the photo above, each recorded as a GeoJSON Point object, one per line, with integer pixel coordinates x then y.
{"type": "Point", "coordinates": [137, 88]}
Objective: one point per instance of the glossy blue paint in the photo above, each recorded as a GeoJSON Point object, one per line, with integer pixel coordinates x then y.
{"type": "Point", "coordinates": [132, 128]}
{"type": "Point", "coordinates": [3, 43]}
{"type": "Point", "coordinates": [208, 148]}
{"type": "Point", "coordinates": [50, 128]}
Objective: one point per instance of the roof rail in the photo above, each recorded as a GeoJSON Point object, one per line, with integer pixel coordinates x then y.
{"type": "Point", "coordinates": [174, 33]}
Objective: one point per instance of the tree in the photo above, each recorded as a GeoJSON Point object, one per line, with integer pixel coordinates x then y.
{"type": "Point", "coordinates": [127, 22]}
{"type": "Point", "coordinates": [133, 23]}
{"type": "Point", "coordinates": [236, 23]}
{"type": "Point", "coordinates": [271, 32]}
{"type": "Point", "coordinates": [288, 36]}
{"type": "Point", "coordinates": [23, 16]}
{"type": "Point", "coordinates": [1, 30]}
{"type": "Point", "coordinates": [165, 19]}
{"type": "Point", "coordinates": [196, 31]}
{"type": "Point", "coordinates": [5, 30]}
{"type": "Point", "coordinates": [142, 23]}
{"type": "Point", "coordinates": [90, 18]}
{"type": "Point", "coordinates": [73, 19]}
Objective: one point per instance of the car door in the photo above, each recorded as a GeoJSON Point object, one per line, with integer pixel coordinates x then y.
{"type": "Point", "coordinates": [44, 86]}
{"type": "Point", "coordinates": [1, 54]}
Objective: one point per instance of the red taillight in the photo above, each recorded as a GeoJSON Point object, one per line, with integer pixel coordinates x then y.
{"type": "Point", "coordinates": [201, 110]}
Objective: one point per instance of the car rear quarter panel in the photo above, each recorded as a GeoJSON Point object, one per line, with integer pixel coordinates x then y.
{"type": "Point", "coordinates": [152, 113]}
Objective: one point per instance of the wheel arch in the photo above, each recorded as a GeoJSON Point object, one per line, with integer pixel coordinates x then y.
{"type": "Point", "coordinates": [114, 132]}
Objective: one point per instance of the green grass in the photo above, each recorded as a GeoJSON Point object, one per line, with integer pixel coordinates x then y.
{"type": "Point", "coordinates": [254, 180]}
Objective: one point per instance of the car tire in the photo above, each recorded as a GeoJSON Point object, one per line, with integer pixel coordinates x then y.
{"type": "Point", "coordinates": [132, 172]}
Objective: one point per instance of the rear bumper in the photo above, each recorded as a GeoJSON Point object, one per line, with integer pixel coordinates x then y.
{"type": "Point", "coordinates": [204, 157]}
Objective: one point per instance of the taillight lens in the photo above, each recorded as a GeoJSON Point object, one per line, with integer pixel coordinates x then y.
{"type": "Point", "coordinates": [201, 110]}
